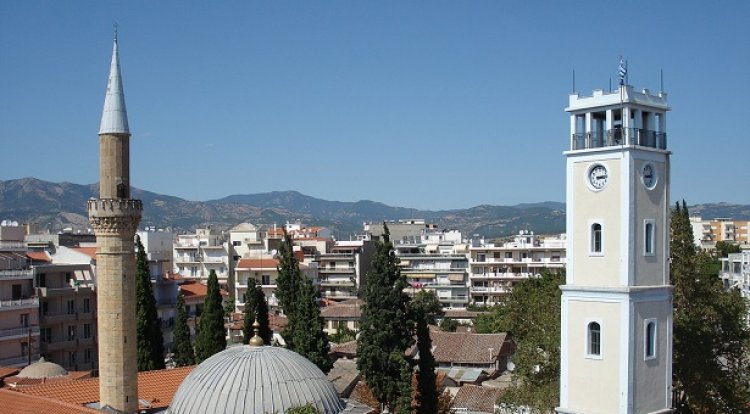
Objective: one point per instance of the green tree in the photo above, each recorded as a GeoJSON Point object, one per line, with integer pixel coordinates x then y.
{"type": "Point", "coordinates": [211, 336]}
{"type": "Point", "coordinates": [305, 409]}
{"type": "Point", "coordinates": [183, 348]}
{"type": "Point", "coordinates": [148, 328]}
{"type": "Point", "coordinates": [724, 248]}
{"type": "Point", "coordinates": [531, 314]}
{"type": "Point", "coordinates": [256, 307]}
{"type": "Point", "coordinates": [386, 330]}
{"type": "Point", "coordinates": [343, 334]}
{"type": "Point", "coordinates": [308, 337]}
{"type": "Point", "coordinates": [711, 338]}
{"type": "Point", "coordinates": [288, 285]}
{"type": "Point", "coordinates": [426, 302]}
{"type": "Point", "coordinates": [427, 394]}
{"type": "Point", "coordinates": [448, 325]}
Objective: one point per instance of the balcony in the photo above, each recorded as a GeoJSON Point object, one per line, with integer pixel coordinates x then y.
{"type": "Point", "coordinates": [490, 289]}
{"type": "Point", "coordinates": [18, 361]}
{"type": "Point", "coordinates": [340, 270]}
{"type": "Point", "coordinates": [500, 275]}
{"type": "Point", "coordinates": [58, 345]}
{"type": "Point", "coordinates": [26, 303]}
{"type": "Point", "coordinates": [339, 295]}
{"type": "Point", "coordinates": [47, 292]}
{"type": "Point", "coordinates": [15, 333]}
{"type": "Point", "coordinates": [336, 283]}
{"type": "Point", "coordinates": [16, 274]}
{"type": "Point", "coordinates": [619, 137]}
{"type": "Point", "coordinates": [58, 317]}
{"type": "Point", "coordinates": [86, 341]}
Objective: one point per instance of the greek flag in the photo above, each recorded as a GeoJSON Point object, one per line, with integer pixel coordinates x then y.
{"type": "Point", "coordinates": [622, 71]}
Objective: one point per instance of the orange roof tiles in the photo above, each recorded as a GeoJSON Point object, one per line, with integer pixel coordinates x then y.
{"type": "Point", "coordinates": [15, 381]}
{"type": "Point", "coordinates": [14, 402]}
{"type": "Point", "coordinates": [258, 263]}
{"type": "Point", "coordinates": [8, 371]}
{"type": "Point", "coordinates": [477, 399]}
{"type": "Point", "coordinates": [156, 387]}
{"type": "Point", "coordinates": [193, 289]}
{"type": "Point", "coordinates": [88, 251]}
{"type": "Point", "coordinates": [38, 257]}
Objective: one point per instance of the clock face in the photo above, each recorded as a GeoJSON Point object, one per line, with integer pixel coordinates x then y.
{"type": "Point", "coordinates": [648, 175]}
{"type": "Point", "coordinates": [598, 176]}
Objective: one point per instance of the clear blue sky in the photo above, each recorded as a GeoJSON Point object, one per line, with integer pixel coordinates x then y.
{"type": "Point", "coordinates": [433, 105]}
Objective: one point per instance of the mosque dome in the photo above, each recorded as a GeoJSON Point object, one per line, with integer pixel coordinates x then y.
{"type": "Point", "coordinates": [42, 369]}
{"type": "Point", "coordinates": [255, 379]}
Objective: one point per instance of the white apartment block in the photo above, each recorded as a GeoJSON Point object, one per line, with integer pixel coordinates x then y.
{"type": "Point", "coordinates": [19, 305]}
{"type": "Point", "coordinates": [343, 269]}
{"type": "Point", "coordinates": [436, 261]}
{"type": "Point", "coordinates": [195, 255]}
{"type": "Point", "coordinates": [265, 272]}
{"type": "Point", "coordinates": [158, 245]}
{"type": "Point", "coordinates": [494, 269]}
{"type": "Point", "coordinates": [735, 273]}
{"type": "Point", "coordinates": [707, 232]}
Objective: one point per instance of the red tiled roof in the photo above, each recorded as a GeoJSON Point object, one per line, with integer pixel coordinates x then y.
{"type": "Point", "coordinates": [38, 257]}
{"type": "Point", "coordinates": [460, 314]}
{"type": "Point", "coordinates": [347, 310]}
{"type": "Point", "coordinates": [88, 251]}
{"type": "Point", "coordinates": [476, 398]}
{"type": "Point", "coordinates": [8, 371]}
{"type": "Point", "coordinates": [156, 387]}
{"type": "Point", "coordinates": [268, 263]}
{"type": "Point", "coordinates": [16, 381]}
{"type": "Point", "coordinates": [193, 289]}
{"type": "Point", "coordinates": [467, 348]}
{"type": "Point", "coordinates": [14, 402]}
{"type": "Point", "coordinates": [346, 348]}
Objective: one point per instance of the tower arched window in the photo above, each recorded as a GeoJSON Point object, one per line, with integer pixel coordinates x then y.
{"type": "Point", "coordinates": [596, 238]}
{"type": "Point", "coordinates": [650, 339]}
{"type": "Point", "coordinates": [648, 238]}
{"type": "Point", "coordinates": [594, 340]}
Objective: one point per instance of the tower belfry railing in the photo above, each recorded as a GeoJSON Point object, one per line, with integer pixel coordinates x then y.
{"type": "Point", "coordinates": [618, 137]}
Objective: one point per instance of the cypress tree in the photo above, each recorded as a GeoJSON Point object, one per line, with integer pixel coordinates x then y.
{"type": "Point", "coordinates": [183, 348]}
{"type": "Point", "coordinates": [211, 336]}
{"type": "Point", "coordinates": [427, 395]}
{"type": "Point", "coordinates": [711, 339]}
{"type": "Point", "coordinates": [288, 284]}
{"type": "Point", "coordinates": [148, 328]}
{"type": "Point", "coordinates": [256, 307]}
{"type": "Point", "coordinates": [387, 327]}
{"type": "Point", "coordinates": [308, 338]}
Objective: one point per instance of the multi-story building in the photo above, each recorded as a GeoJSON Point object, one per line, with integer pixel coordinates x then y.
{"type": "Point", "coordinates": [67, 307]}
{"type": "Point", "coordinates": [494, 269]}
{"type": "Point", "coordinates": [707, 232]}
{"type": "Point", "coordinates": [399, 229]}
{"type": "Point", "coordinates": [436, 261]}
{"type": "Point", "coordinates": [195, 255]}
{"type": "Point", "coordinates": [19, 305]}
{"type": "Point", "coordinates": [343, 269]}
{"type": "Point", "coordinates": [735, 273]}
{"type": "Point", "coordinates": [158, 248]}
{"type": "Point", "coordinates": [264, 271]}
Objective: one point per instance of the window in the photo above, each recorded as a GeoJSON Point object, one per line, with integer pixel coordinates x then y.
{"type": "Point", "coordinates": [87, 330]}
{"type": "Point", "coordinates": [594, 340]}
{"type": "Point", "coordinates": [87, 355]}
{"type": "Point", "coordinates": [42, 280]}
{"type": "Point", "coordinates": [24, 320]}
{"type": "Point", "coordinates": [71, 332]}
{"type": "Point", "coordinates": [16, 292]}
{"type": "Point", "coordinates": [87, 305]}
{"type": "Point", "coordinates": [265, 280]}
{"type": "Point", "coordinates": [71, 306]}
{"type": "Point", "coordinates": [648, 238]}
{"type": "Point", "coordinates": [72, 358]}
{"type": "Point", "coordinates": [46, 335]}
{"type": "Point", "coordinates": [45, 308]}
{"type": "Point", "coordinates": [596, 238]}
{"type": "Point", "coordinates": [236, 243]}
{"type": "Point", "coordinates": [24, 349]}
{"type": "Point", "coordinates": [68, 278]}
{"type": "Point", "coordinates": [650, 339]}
{"type": "Point", "coordinates": [508, 255]}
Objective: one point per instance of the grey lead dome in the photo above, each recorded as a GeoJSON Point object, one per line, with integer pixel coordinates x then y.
{"type": "Point", "coordinates": [247, 379]}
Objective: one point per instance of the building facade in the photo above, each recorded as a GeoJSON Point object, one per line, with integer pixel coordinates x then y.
{"type": "Point", "coordinates": [707, 232]}
{"type": "Point", "coordinates": [494, 269]}
{"type": "Point", "coordinates": [616, 311]}
{"type": "Point", "coordinates": [735, 274]}
{"type": "Point", "coordinates": [19, 304]}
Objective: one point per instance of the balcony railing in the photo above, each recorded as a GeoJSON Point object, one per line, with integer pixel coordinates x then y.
{"type": "Point", "coordinates": [620, 136]}
{"type": "Point", "coordinates": [5, 333]}
{"type": "Point", "coordinates": [18, 303]}
{"type": "Point", "coordinates": [16, 274]}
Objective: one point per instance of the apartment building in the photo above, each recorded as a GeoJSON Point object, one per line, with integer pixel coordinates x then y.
{"type": "Point", "coordinates": [342, 270]}
{"type": "Point", "coordinates": [67, 307]}
{"type": "Point", "coordinates": [494, 269]}
{"type": "Point", "coordinates": [707, 232]}
{"type": "Point", "coordinates": [19, 305]}
{"type": "Point", "coordinates": [158, 247]}
{"type": "Point", "coordinates": [195, 255]}
{"type": "Point", "coordinates": [735, 274]}
{"type": "Point", "coordinates": [399, 229]}
{"type": "Point", "coordinates": [436, 261]}
{"type": "Point", "coordinates": [264, 271]}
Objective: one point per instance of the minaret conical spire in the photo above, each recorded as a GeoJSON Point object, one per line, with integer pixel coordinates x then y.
{"type": "Point", "coordinates": [115, 115]}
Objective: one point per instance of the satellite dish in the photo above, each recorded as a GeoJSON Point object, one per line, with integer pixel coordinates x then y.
{"type": "Point", "coordinates": [511, 366]}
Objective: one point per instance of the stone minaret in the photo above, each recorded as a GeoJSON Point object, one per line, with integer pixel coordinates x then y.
{"type": "Point", "coordinates": [115, 217]}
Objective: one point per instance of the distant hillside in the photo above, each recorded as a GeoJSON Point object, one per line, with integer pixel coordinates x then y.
{"type": "Point", "coordinates": [59, 205]}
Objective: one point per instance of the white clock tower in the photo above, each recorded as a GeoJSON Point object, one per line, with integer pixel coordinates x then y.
{"type": "Point", "coordinates": [616, 345]}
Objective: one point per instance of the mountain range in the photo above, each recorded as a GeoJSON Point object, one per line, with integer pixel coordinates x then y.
{"type": "Point", "coordinates": [59, 205]}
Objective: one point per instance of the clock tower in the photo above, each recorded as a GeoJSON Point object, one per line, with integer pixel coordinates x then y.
{"type": "Point", "coordinates": [616, 345]}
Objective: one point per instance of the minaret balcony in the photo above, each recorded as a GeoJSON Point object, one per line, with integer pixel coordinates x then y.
{"type": "Point", "coordinates": [114, 207]}
{"type": "Point", "coordinates": [620, 137]}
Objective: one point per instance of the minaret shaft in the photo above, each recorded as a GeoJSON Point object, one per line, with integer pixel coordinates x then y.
{"type": "Point", "coordinates": [115, 217]}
